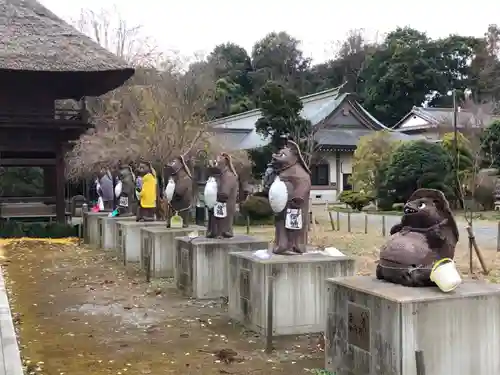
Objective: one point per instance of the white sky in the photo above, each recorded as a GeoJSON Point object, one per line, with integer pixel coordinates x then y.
{"type": "Point", "coordinates": [191, 26]}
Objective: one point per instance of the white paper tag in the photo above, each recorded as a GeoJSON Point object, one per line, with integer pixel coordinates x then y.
{"type": "Point", "coordinates": [293, 219]}
{"type": "Point", "coordinates": [123, 202]}
{"type": "Point", "coordinates": [220, 210]}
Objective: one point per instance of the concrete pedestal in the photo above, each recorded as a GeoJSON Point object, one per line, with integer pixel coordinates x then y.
{"type": "Point", "coordinates": [158, 248]}
{"type": "Point", "coordinates": [107, 229]}
{"type": "Point", "coordinates": [298, 297]}
{"type": "Point", "coordinates": [202, 264]}
{"type": "Point", "coordinates": [91, 227]}
{"type": "Point", "coordinates": [375, 328]}
{"type": "Point", "coordinates": [129, 238]}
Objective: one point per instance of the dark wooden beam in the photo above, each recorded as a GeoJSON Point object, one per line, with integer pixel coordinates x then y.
{"type": "Point", "coordinates": [60, 182]}
{"type": "Point", "coordinates": [46, 199]}
{"type": "Point", "coordinates": [49, 125]}
{"type": "Point", "coordinates": [18, 162]}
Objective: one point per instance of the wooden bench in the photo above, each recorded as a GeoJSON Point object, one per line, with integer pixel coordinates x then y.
{"type": "Point", "coordinates": [30, 212]}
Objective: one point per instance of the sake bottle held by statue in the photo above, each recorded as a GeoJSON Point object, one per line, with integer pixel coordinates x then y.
{"type": "Point", "coordinates": [169, 189]}
{"type": "Point", "coordinates": [278, 195]}
{"type": "Point", "coordinates": [118, 189]}
{"type": "Point", "coordinates": [210, 193]}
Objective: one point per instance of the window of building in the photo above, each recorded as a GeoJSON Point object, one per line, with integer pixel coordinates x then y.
{"type": "Point", "coordinates": [346, 185]}
{"type": "Point", "coordinates": [320, 174]}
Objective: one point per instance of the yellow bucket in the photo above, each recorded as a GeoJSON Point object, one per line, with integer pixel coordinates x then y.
{"type": "Point", "coordinates": [445, 274]}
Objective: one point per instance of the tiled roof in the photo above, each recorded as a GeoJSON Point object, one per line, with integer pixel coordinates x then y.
{"type": "Point", "coordinates": [444, 116]}
{"type": "Point", "coordinates": [237, 132]}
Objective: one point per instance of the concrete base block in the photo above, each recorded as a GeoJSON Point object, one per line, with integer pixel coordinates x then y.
{"type": "Point", "coordinates": [107, 230]}
{"type": "Point", "coordinates": [129, 238]}
{"type": "Point", "coordinates": [298, 292]}
{"type": "Point", "coordinates": [91, 227]}
{"type": "Point", "coordinates": [158, 248]}
{"type": "Point", "coordinates": [375, 328]}
{"type": "Point", "coordinates": [202, 264]}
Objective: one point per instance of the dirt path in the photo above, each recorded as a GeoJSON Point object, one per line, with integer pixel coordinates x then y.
{"type": "Point", "coordinates": [79, 312]}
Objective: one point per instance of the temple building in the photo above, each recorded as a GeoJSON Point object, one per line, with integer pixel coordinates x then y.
{"type": "Point", "coordinates": [43, 59]}
{"type": "Point", "coordinates": [432, 123]}
{"type": "Point", "coordinates": [340, 122]}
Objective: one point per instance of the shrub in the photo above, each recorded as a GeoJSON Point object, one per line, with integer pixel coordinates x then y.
{"type": "Point", "coordinates": [256, 207]}
{"type": "Point", "coordinates": [418, 164]}
{"type": "Point", "coordinates": [398, 207]}
{"type": "Point", "coordinates": [16, 229]}
{"type": "Point", "coordinates": [354, 199]}
{"type": "Point", "coordinates": [485, 196]}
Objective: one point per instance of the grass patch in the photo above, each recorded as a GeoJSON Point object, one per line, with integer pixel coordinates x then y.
{"type": "Point", "coordinates": [366, 249]}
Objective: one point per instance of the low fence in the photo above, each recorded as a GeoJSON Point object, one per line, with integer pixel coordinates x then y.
{"type": "Point", "coordinates": [486, 234]}
{"type": "Point", "coordinates": [368, 223]}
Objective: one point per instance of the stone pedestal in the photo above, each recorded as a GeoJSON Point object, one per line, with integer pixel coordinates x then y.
{"type": "Point", "coordinates": [158, 248]}
{"type": "Point", "coordinates": [91, 227]}
{"type": "Point", "coordinates": [202, 264]}
{"type": "Point", "coordinates": [375, 328]}
{"type": "Point", "coordinates": [107, 229]}
{"type": "Point", "coordinates": [298, 290]}
{"type": "Point", "coordinates": [129, 238]}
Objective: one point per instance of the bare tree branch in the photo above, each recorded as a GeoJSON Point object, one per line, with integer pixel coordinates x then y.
{"type": "Point", "coordinates": [162, 117]}
{"type": "Point", "coordinates": [112, 32]}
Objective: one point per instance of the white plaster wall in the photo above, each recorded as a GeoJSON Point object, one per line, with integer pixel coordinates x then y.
{"type": "Point", "coordinates": [413, 121]}
{"type": "Point", "coordinates": [345, 164]}
{"type": "Point", "coordinates": [322, 196]}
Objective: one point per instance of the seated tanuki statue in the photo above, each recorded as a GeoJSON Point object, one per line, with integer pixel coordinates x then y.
{"type": "Point", "coordinates": [427, 233]}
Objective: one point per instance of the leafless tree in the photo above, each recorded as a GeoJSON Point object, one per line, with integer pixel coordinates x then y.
{"type": "Point", "coordinates": [220, 143]}
{"type": "Point", "coordinates": [162, 117]}
{"type": "Point", "coordinates": [114, 33]}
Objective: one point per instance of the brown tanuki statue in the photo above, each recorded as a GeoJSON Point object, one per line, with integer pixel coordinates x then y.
{"type": "Point", "coordinates": [146, 188]}
{"type": "Point", "coordinates": [291, 224]}
{"type": "Point", "coordinates": [105, 189]}
{"type": "Point", "coordinates": [427, 233]}
{"type": "Point", "coordinates": [127, 201]}
{"type": "Point", "coordinates": [221, 216]}
{"type": "Point", "coordinates": [181, 198]}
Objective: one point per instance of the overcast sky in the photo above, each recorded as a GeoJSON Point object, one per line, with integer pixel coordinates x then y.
{"type": "Point", "coordinates": [190, 26]}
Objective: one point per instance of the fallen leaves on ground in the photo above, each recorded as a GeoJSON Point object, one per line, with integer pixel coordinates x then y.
{"type": "Point", "coordinates": [79, 311]}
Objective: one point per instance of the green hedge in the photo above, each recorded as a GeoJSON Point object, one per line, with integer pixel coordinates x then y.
{"type": "Point", "coordinates": [15, 229]}
{"type": "Point", "coordinates": [257, 208]}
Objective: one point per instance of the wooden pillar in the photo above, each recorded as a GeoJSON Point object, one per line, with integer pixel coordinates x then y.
{"type": "Point", "coordinates": [60, 184]}
{"type": "Point", "coordinates": [338, 172]}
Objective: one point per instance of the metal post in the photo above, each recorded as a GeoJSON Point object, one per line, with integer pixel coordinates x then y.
{"type": "Point", "coordinates": [455, 131]}
{"type": "Point", "coordinates": [383, 225]}
{"type": "Point", "coordinates": [348, 222]}
{"type": "Point", "coordinates": [366, 223]}
{"type": "Point", "coordinates": [420, 363]}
